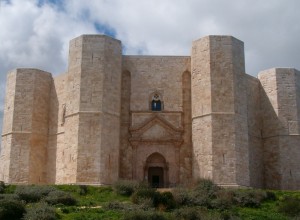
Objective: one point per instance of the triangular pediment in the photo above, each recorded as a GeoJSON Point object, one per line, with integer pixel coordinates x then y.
{"type": "Point", "coordinates": [156, 129]}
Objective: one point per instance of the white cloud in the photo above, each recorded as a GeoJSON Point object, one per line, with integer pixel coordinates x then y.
{"type": "Point", "coordinates": [36, 33]}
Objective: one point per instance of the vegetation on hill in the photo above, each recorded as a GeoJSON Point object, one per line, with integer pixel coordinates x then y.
{"type": "Point", "coordinates": [129, 200]}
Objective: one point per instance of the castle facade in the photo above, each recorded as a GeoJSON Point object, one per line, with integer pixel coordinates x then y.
{"type": "Point", "coordinates": [167, 120]}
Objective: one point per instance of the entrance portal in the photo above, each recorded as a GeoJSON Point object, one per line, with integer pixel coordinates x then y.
{"type": "Point", "coordinates": [156, 177]}
{"type": "Point", "coordinates": [156, 171]}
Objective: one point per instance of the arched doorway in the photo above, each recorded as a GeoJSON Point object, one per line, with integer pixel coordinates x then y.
{"type": "Point", "coordinates": [156, 171]}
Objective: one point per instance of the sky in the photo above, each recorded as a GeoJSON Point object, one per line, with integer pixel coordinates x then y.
{"type": "Point", "coordinates": [36, 33]}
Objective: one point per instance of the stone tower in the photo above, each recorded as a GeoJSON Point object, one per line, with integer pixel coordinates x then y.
{"type": "Point", "coordinates": [25, 130]}
{"type": "Point", "coordinates": [90, 112]}
{"type": "Point", "coordinates": [281, 127]}
{"type": "Point", "coordinates": [219, 116]}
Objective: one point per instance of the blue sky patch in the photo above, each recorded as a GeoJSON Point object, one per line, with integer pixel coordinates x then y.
{"type": "Point", "coordinates": [105, 29]}
{"type": "Point", "coordinates": [59, 4]}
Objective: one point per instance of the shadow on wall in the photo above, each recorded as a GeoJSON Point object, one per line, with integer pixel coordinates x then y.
{"type": "Point", "coordinates": [270, 143]}
{"type": "Point", "coordinates": [53, 131]}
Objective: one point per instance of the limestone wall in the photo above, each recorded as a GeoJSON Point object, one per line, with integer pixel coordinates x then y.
{"type": "Point", "coordinates": [186, 150]}
{"type": "Point", "coordinates": [281, 127]}
{"type": "Point", "coordinates": [219, 99]}
{"type": "Point", "coordinates": [156, 73]}
{"type": "Point", "coordinates": [165, 75]}
{"type": "Point", "coordinates": [56, 164]}
{"type": "Point", "coordinates": [126, 170]}
{"type": "Point", "coordinates": [255, 132]}
{"type": "Point", "coordinates": [6, 137]}
{"type": "Point", "coordinates": [26, 126]}
{"type": "Point", "coordinates": [94, 78]}
{"type": "Point", "coordinates": [201, 109]}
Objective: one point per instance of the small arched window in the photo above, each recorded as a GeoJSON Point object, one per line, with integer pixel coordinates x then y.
{"type": "Point", "coordinates": [156, 103]}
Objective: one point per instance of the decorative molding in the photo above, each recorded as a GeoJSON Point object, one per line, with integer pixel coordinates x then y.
{"type": "Point", "coordinates": [137, 133]}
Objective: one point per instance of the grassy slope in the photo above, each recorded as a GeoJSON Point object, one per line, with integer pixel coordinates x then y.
{"type": "Point", "coordinates": [99, 196]}
{"type": "Point", "coordinates": [90, 206]}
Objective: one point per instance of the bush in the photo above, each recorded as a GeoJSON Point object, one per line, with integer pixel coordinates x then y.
{"type": "Point", "coordinates": [182, 196]}
{"type": "Point", "coordinates": [11, 209]}
{"type": "Point", "coordinates": [290, 206]}
{"type": "Point", "coordinates": [202, 194]}
{"type": "Point", "coordinates": [190, 213]}
{"type": "Point", "coordinates": [41, 211]}
{"type": "Point", "coordinates": [145, 205]}
{"type": "Point", "coordinates": [207, 186]}
{"type": "Point", "coordinates": [33, 193]}
{"type": "Point", "coordinates": [249, 198]}
{"type": "Point", "coordinates": [224, 199]}
{"type": "Point", "coordinates": [125, 187]}
{"type": "Point", "coordinates": [60, 197]}
{"type": "Point", "coordinates": [271, 196]}
{"type": "Point", "coordinates": [115, 206]}
{"type": "Point", "coordinates": [9, 189]}
{"type": "Point", "coordinates": [164, 200]}
{"type": "Point", "coordinates": [2, 187]}
{"type": "Point", "coordinates": [144, 193]}
{"type": "Point", "coordinates": [144, 215]}
{"type": "Point", "coordinates": [9, 197]}
{"type": "Point", "coordinates": [83, 190]}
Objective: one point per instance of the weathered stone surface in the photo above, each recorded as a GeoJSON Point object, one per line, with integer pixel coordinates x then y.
{"type": "Point", "coordinates": [219, 103]}
{"type": "Point", "coordinates": [281, 130]}
{"type": "Point", "coordinates": [167, 120]}
{"type": "Point", "coordinates": [25, 133]}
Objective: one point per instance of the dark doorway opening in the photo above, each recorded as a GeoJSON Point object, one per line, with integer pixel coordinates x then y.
{"type": "Point", "coordinates": [156, 177]}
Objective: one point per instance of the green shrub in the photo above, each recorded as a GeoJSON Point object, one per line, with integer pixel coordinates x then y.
{"type": "Point", "coordinates": [190, 213]}
{"type": "Point", "coordinates": [9, 189]}
{"type": "Point", "coordinates": [203, 193]}
{"type": "Point", "coordinates": [9, 197]}
{"type": "Point", "coordinates": [290, 206]}
{"type": "Point", "coordinates": [33, 193]}
{"type": "Point", "coordinates": [182, 196]}
{"type": "Point", "coordinates": [2, 187]}
{"type": "Point", "coordinates": [115, 205]}
{"type": "Point", "coordinates": [194, 197]}
{"type": "Point", "coordinates": [11, 209]}
{"type": "Point", "coordinates": [126, 187]}
{"type": "Point", "coordinates": [271, 196]}
{"type": "Point", "coordinates": [206, 185]}
{"type": "Point", "coordinates": [144, 193]}
{"type": "Point", "coordinates": [60, 197]}
{"type": "Point", "coordinates": [164, 200]}
{"type": "Point", "coordinates": [249, 198]}
{"type": "Point", "coordinates": [227, 215]}
{"type": "Point", "coordinates": [144, 215]}
{"type": "Point", "coordinates": [224, 199]}
{"type": "Point", "coordinates": [69, 209]}
{"type": "Point", "coordinates": [83, 190]}
{"type": "Point", "coordinates": [145, 205]}
{"type": "Point", "coordinates": [40, 211]}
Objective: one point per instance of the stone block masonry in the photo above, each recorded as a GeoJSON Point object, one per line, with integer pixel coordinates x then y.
{"type": "Point", "coordinates": [168, 120]}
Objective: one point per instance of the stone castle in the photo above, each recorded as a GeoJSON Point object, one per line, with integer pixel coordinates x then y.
{"type": "Point", "coordinates": [167, 120]}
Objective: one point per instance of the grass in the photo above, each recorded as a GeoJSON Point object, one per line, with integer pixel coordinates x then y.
{"type": "Point", "coordinates": [96, 196]}
{"type": "Point", "coordinates": [91, 214]}
{"type": "Point", "coordinates": [92, 205]}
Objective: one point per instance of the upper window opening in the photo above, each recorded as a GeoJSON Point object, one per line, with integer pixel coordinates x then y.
{"type": "Point", "coordinates": [156, 103]}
